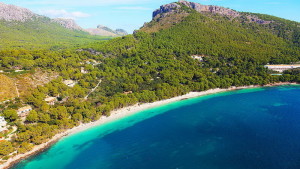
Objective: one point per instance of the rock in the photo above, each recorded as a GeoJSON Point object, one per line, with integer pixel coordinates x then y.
{"type": "Point", "coordinates": [106, 31]}
{"type": "Point", "coordinates": [172, 8]}
{"type": "Point", "coordinates": [67, 23]}
{"type": "Point", "coordinates": [121, 32]}
{"type": "Point", "coordinates": [169, 8]}
{"type": "Point", "coordinates": [12, 13]}
{"type": "Point", "coordinates": [210, 8]}
{"type": "Point", "coordinates": [15, 13]}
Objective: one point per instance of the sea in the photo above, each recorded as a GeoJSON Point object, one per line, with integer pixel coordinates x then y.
{"type": "Point", "coordinates": [256, 128]}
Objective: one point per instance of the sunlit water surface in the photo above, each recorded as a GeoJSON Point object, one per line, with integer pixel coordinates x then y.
{"type": "Point", "coordinates": [245, 129]}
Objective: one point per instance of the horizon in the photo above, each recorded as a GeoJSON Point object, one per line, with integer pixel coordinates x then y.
{"type": "Point", "coordinates": [130, 15]}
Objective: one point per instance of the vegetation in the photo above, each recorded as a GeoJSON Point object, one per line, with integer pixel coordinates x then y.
{"type": "Point", "coordinates": [143, 67]}
{"type": "Point", "coordinates": [7, 87]}
{"type": "Point", "coordinates": [42, 33]}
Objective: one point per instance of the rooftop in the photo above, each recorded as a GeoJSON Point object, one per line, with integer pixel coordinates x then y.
{"type": "Point", "coordinates": [50, 99]}
{"type": "Point", "coordinates": [24, 108]}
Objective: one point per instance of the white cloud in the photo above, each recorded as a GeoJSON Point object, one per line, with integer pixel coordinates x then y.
{"type": "Point", "coordinates": [85, 2]}
{"type": "Point", "coordinates": [133, 8]}
{"type": "Point", "coordinates": [54, 13]}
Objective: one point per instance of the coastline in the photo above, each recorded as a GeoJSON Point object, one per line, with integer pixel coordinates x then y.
{"type": "Point", "coordinates": [118, 114]}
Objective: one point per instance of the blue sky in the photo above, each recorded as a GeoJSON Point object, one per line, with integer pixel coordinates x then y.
{"type": "Point", "coordinates": [131, 14]}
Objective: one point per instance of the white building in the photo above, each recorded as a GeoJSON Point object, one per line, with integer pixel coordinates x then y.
{"type": "Point", "coordinates": [197, 57]}
{"type": "Point", "coordinates": [51, 100]}
{"type": "Point", "coordinates": [69, 83]}
{"type": "Point", "coordinates": [2, 124]}
{"type": "Point", "coordinates": [281, 68]}
{"type": "Point", "coordinates": [82, 70]}
{"type": "Point", "coordinates": [24, 111]}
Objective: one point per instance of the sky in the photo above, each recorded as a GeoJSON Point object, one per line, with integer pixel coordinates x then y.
{"type": "Point", "coordinates": [132, 14]}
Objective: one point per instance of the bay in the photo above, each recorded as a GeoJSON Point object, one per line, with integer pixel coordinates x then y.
{"type": "Point", "coordinates": [243, 129]}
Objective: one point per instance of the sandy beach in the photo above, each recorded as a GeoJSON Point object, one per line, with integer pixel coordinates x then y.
{"type": "Point", "coordinates": [118, 114]}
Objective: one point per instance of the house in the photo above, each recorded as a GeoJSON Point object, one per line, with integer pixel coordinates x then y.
{"type": "Point", "coordinates": [24, 111]}
{"type": "Point", "coordinates": [2, 124]}
{"type": "Point", "coordinates": [129, 92]}
{"type": "Point", "coordinates": [281, 68]}
{"type": "Point", "coordinates": [197, 57]}
{"type": "Point", "coordinates": [83, 70]}
{"type": "Point", "coordinates": [69, 83]}
{"type": "Point", "coordinates": [19, 70]}
{"type": "Point", "coordinates": [51, 100]}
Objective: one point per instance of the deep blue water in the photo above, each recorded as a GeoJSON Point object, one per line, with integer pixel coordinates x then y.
{"type": "Point", "coordinates": [245, 129]}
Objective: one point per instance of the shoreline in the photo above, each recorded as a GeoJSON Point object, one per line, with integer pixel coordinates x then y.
{"type": "Point", "coordinates": [119, 114]}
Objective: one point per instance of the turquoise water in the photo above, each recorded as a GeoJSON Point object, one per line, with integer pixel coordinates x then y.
{"type": "Point", "coordinates": [245, 129]}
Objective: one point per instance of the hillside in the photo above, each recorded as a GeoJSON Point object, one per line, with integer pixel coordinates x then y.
{"type": "Point", "coordinates": [187, 28]}
{"type": "Point", "coordinates": [21, 28]}
{"type": "Point", "coordinates": [232, 48]}
{"type": "Point", "coordinates": [8, 89]}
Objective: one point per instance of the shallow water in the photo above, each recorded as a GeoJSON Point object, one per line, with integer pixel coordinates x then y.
{"type": "Point", "coordinates": [245, 129]}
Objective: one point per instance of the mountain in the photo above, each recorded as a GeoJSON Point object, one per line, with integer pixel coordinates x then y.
{"type": "Point", "coordinates": [188, 28]}
{"type": "Point", "coordinates": [105, 31]}
{"type": "Point", "coordinates": [68, 23]}
{"type": "Point", "coordinates": [21, 28]}
{"type": "Point", "coordinates": [15, 13]}
{"type": "Point", "coordinates": [187, 43]}
{"type": "Point", "coordinates": [170, 14]}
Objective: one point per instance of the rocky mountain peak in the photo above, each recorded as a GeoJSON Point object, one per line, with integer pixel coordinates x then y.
{"type": "Point", "coordinates": [175, 7]}
{"type": "Point", "coordinates": [106, 31]}
{"type": "Point", "coordinates": [121, 32]}
{"type": "Point", "coordinates": [15, 13]}
{"type": "Point", "coordinates": [67, 23]}
{"type": "Point", "coordinates": [178, 7]}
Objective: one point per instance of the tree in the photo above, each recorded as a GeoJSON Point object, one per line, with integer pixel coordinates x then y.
{"type": "Point", "coordinates": [10, 115]}
{"type": "Point", "coordinates": [44, 117]}
{"type": "Point", "coordinates": [32, 116]}
{"type": "Point", "coordinates": [24, 147]}
{"type": "Point", "coordinates": [6, 148]}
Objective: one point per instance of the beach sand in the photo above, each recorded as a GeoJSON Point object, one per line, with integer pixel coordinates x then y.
{"type": "Point", "coordinates": [118, 114]}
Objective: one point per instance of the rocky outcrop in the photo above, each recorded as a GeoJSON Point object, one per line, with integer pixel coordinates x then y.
{"type": "Point", "coordinates": [166, 9]}
{"type": "Point", "coordinates": [15, 13]}
{"type": "Point", "coordinates": [175, 7]}
{"type": "Point", "coordinates": [121, 32]}
{"type": "Point", "coordinates": [106, 31]}
{"type": "Point", "coordinates": [172, 8]}
{"type": "Point", "coordinates": [12, 13]}
{"type": "Point", "coordinates": [252, 18]}
{"type": "Point", "coordinates": [67, 23]}
{"type": "Point", "coordinates": [210, 8]}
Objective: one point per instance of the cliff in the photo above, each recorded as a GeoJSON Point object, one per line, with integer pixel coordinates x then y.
{"type": "Point", "coordinates": [67, 23]}
{"type": "Point", "coordinates": [15, 13]}
{"type": "Point", "coordinates": [182, 6]}
{"type": "Point", "coordinates": [106, 31]}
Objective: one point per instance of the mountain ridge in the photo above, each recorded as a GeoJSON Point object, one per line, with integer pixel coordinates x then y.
{"type": "Point", "coordinates": [171, 14]}
{"type": "Point", "coordinates": [15, 13]}
{"type": "Point", "coordinates": [106, 31]}
{"type": "Point", "coordinates": [12, 13]}
{"type": "Point", "coordinates": [175, 7]}
{"type": "Point", "coordinates": [21, 28]}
